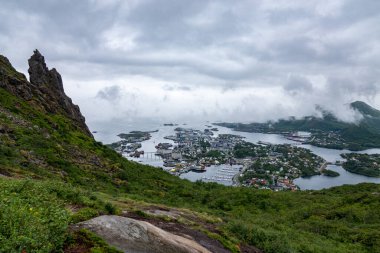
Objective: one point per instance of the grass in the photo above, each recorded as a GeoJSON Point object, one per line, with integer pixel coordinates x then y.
{"type": "Point", "coordinates": [87, 242]}
{"type": "Point", "coordinates": [36, 215]}
{"type": "Point", "coordinates": [32, 217]}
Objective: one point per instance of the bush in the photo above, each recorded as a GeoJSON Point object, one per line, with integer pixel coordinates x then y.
{"type": "Point", "coordinates": [111, 209]}
{"type": "Point", "coordinates": [84, 214]}
{"type": "Point", "coordinates": [266, 239]}
{"type": "Point", "coordinates": [31, 219]}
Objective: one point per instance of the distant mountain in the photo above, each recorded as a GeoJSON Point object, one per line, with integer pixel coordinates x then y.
{"type": "Point", "coordinates": [371, 116]}
{"type": "Point", "coordinates": [365, 109]}
{"type": "Point", "coordinates": [359, 136]}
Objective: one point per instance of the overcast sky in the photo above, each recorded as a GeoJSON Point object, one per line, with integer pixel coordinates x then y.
{"type": "Point", "coordinates": [216, 60]}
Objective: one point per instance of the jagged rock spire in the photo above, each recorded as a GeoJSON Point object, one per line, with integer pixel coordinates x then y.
{"type": "Point", "coordinates": [49, 83]}
{"type": "Point", "coordinates": [45, 86]}
{"type": "Point", "coordinates": [38, 71]}
{"type": "Point", "coordinates": [41, 75]}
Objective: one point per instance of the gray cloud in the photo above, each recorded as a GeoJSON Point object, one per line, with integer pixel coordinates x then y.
{"type": "Point", "coordinates": [176, 87]}
{"type": "Point", "coordinates": [111, 93]}
{"type": "Point", "coordinates": [285, 55]}
{"type": "Point", "coordinates": [298, 84]}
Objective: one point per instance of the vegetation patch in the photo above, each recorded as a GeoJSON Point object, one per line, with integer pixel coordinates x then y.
{"type": "Point", "coordinates": [330, 173]}
{"type": "Point", "coordinates": [85, 241]}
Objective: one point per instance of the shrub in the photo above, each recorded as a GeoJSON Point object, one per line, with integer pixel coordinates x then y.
{"type": "Point", "coordinates": [31, 219]}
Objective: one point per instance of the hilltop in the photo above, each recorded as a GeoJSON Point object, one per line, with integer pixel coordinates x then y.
{"type": "Point", "coordinates": [54, 174]}
{"type": "Point", "coordinates": [365, 109]}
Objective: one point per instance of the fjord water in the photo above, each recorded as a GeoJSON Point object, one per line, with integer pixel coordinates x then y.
{"type": "Point", "coordinates": [107, 133]}
{"type": "Point", "coordinates": [320, 181]}
{"type": "Point", "coordinates": [345, 177]}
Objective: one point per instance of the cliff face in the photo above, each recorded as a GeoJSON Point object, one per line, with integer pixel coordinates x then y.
{"type": "Point", "coordinates": [14, 81]}
{"type": "Point", "coordinates": [44, 90]}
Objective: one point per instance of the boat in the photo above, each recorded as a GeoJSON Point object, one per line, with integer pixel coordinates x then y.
{"type": "Point", "coordinates": [170, 163]}
{"type": "Point", "coordinates": [200, 168]}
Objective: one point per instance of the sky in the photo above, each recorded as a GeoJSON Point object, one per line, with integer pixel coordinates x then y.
{"type": "Point", "coordinates": [177, 60]}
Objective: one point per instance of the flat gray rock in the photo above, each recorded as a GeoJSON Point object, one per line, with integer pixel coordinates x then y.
{"type": "Point", "coordinates": [134, 236]}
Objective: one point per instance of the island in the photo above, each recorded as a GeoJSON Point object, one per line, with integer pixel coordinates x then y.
{"type": "Point", "coordinates": [131, 142]}
{"type": "Point", "coordinates": [363, 164]}
{"type": "Point", "coordinates": [329, 173]}
{"type": "Point", "coordinates": [275, 167]}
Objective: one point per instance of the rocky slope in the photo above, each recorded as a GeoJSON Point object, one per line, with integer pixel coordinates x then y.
{"type": "Point", "coordinates": [44, 90]}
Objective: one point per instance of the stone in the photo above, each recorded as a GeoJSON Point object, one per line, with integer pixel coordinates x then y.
{"type": "Point", "coordinates": [38, 71]}
{"type": "Point", "coordinates": [134, 236]}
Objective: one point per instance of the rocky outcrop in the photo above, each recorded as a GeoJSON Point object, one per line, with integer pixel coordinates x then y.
{"type": "Point", "coordinates": [135, 236]}
{"type": "Point", "coordinates": [45, 88]}
{"type": "Point", "coordinates": [50, 86]}
{"type": "Point", "coordinates": [14, 81]}
{"type": "Point", "coordinates": [38, 72]}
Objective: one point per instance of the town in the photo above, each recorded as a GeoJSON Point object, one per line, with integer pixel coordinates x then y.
{"type": "Point", "coordinates": [326, 138]}
{"type": "Point", "coordinates": [262, 165]}
{"type": "Point", "coordinates": [276, 166]}
{"type": "Point", "coordinates": [318, 138]}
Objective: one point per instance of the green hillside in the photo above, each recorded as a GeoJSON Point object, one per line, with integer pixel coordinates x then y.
{"type": "Point", "coordinates": [54, 174]}
{"type": "Point", "coordinates": [365, 109]}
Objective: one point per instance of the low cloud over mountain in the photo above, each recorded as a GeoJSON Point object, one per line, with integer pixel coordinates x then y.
{"type": "Point", "coordinates": [243, 61]}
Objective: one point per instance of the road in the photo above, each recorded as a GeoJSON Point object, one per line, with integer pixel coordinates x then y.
{"type": "Point", "coordinates": [323, 166]}
{"type": "Point", "coordinates": [235, 179]}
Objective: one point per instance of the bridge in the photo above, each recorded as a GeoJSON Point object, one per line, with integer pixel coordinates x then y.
{"type": "Point", "coordinates": [151, 156]}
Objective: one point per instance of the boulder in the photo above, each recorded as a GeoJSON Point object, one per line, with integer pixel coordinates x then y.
{"type": "Point", "coordinates": [134, 236]}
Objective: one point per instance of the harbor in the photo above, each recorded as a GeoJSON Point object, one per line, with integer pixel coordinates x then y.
{"type": "Point", "coordinates": [222, 174]}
